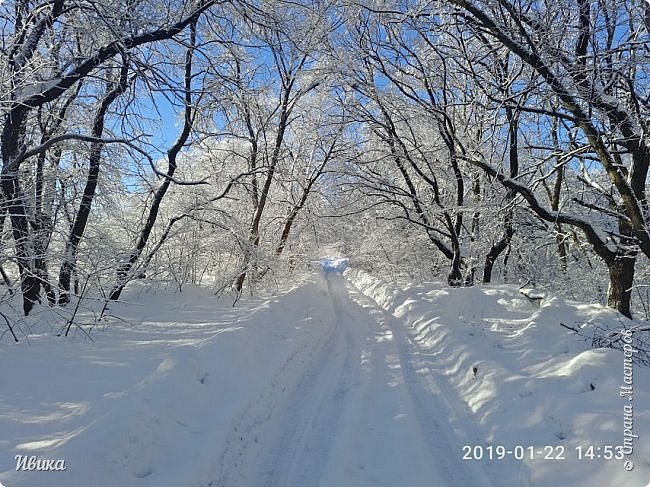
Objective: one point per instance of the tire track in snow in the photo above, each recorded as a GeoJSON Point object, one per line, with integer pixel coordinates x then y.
{"type": "Point", "coordinates": [350, 408]}
{"type": "Point", "coordinates": [314, 409]}
{"type": "Point", "coordinates": [243, 447]}
{"type": "Point", "coordinates": [434, 414]}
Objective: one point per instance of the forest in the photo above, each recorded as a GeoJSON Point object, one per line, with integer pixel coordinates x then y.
{"type": "Point", "coordinates": [222, 143]}
{"type": "Point", "coordinates": [344, 243]}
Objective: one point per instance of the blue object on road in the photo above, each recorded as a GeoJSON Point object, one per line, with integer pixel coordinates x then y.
{"type": "Point", "coordinates": [333, 265]}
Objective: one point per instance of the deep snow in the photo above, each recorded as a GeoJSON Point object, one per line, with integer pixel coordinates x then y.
{"type": "Point", "coordinates": [337, 381]}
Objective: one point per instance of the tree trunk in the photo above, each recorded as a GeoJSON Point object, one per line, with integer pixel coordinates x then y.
{"type": "Point", "coordinates": [560, 237]}
{"type": "Point", "coordinates": [254, 235]}
{"type": "Point", "coordinates": [239, 283]}
{"type": "Point", "coordinates": [172, 154]}
{"type": "Point", "coordinates": [621, 277]}
{"type": "Point", "coordinates": [508, 229]}
{"type": "Point", "coordinates": [3, 273]}
{"type": "Point", "coordinates": [94, 160]}
{"type": "Point", "coordinates": [455, 277]}
{"type": "Point", "coordinates": [42, 224]}
{"type": "Point", "coordinates": [12, 137]}
{"type": "Point", "coordinates": [492, 256]}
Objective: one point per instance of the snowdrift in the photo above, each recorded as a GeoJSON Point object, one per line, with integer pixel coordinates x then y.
{"type": "Point", "coordinates": [164, 401]}
{"type": "Point", "coordinates": [184, 390]}
{"type": "Point", "coordinates": [525, 380]}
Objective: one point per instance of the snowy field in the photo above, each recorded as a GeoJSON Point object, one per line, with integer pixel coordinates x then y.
{"type": "Point", "coordinates": [342, 380]}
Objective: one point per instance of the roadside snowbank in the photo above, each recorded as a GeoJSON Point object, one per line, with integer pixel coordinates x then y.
{"type": "Point", "coordinates": [525, 380]}
{"type": "Point", "coordinates": [161, 402]}
{"type": "Point", "coordinates": [184, 390]}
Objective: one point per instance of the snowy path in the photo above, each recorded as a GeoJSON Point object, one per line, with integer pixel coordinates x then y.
{"type": "Point", "coordinates": [358, 413]}
{"type": "Point", "coordinates": [331, 382]}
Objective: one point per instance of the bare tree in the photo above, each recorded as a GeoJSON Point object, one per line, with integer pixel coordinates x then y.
{"type": "Point", "coordinates": [267, 125]}
{"type": "Point", "coordinates": [32, 84]}
{"type": "Point", "coordinates": [114, 89]}
{"type": "Point", "coordinates": [123, 273]}
{"type": "Point", "coordinates": [594, 75]}
{"type": "Point", "coordinates": [414, 110]}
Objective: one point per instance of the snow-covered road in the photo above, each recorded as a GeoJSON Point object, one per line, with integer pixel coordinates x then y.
{"type": "Point", "coordinates": [358, 413]}
{"type": "Point", "coordinates": [334, 381]}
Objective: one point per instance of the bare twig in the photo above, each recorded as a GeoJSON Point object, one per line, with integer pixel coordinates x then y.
{"type": "Point", "coordinates": [9, 325]}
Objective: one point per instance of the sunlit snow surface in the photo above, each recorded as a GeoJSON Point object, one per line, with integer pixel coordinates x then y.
{"type": "Point", "coordinates": [337, 379]}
